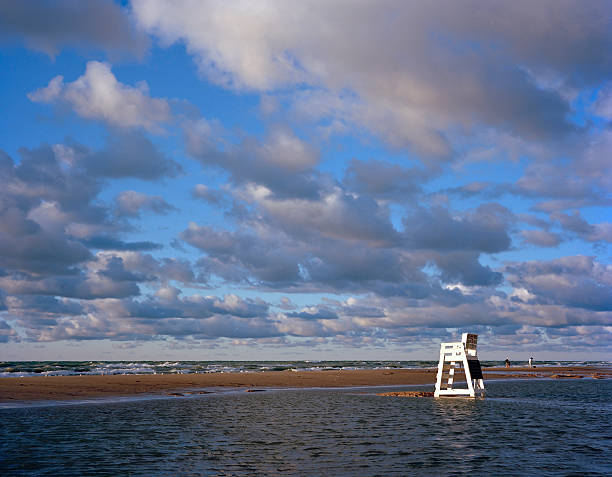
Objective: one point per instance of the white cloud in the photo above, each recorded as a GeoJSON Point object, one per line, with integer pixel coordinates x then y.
{"type": "Point", "coordinates": [98, 95]}
{"type": "Point", "coordinates": [407, 71]}
{"type": "Point", "coordinates": [286, 150]}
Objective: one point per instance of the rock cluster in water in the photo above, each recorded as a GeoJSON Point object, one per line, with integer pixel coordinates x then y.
{"type": "Point", "coordinates": [408, 394]}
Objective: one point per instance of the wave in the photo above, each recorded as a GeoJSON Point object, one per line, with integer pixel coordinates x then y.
{"type": "Point", "coordinates": [72, 368]}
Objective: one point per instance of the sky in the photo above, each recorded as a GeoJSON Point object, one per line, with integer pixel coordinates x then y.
{"type": "Point", "coordinates": [285, 180]}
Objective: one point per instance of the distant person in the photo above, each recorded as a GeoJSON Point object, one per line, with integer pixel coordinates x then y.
{"type": "Point", "coordinates": [507, 361]}
{"type": "Point", "coordinates": [531, 362]}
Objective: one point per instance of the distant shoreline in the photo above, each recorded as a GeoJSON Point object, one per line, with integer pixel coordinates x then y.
{"type": "Point", "coordinates": [65, 388]}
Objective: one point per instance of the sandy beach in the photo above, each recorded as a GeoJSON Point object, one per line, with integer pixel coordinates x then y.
{"type": "Point", "coordinates": [99, 386]}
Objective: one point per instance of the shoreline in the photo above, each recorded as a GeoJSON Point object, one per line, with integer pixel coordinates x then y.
{"type": "Point", "coordinates": [67, 388]}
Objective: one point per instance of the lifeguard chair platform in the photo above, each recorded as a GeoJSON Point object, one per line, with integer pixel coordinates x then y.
{"type": "Point", "coordinates": [454, 356]}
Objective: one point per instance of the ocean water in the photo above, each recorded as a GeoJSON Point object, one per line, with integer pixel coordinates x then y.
{"type": "Point", "coordinates": [531, 427]}
{"type": "Point", "coordinates": [59, 368]}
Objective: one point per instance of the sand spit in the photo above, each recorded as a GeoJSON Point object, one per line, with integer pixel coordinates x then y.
{"type": "Point", "coordinates": [61, 388]}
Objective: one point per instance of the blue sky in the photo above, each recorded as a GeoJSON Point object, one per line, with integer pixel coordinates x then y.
{"type": "Point", "coordinates": [304, 180]}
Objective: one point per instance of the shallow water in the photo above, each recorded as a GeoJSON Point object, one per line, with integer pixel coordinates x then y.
{"type": "Point", "coordinates": [521, 428]}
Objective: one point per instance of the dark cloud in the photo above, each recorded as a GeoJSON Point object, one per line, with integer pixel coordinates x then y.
{"type": "Point", "coordinates": [240, 256]}
{"type": "Point", "coordinates": [283, 163]}
{"type": "Point", "coordinates": [51, 214]}
{"type": "Point", "coordinates": [130, 155]}
{"type": "Point", "coordinates": [51, 217]}
{"type": "Point", "coordinates": [383, 180]}
{"type": "Point", "coordinates": [348, 244]}
{"type": "Point", "coordinates": [115, 270]}
{"type": "Point", "coordinates": [163, 269]}
{"type": "Point", "coordinates": [38, 188]}
{"type": "Point", "coordinates": [407, 256]}
{"type": "Point", "coordinates": [413, 69]}
{"type": "Point", "coordinates": [39, 176]}
{"type": "Point", "coordinates": [269, 259]}
{"type": "Point", "coordinates": [336, 215]}
{"type": "Point", "coordinates": [314, 313]}
{"type": "Point", "coordinates": [465, 268]}
{"type": "Point", "coordinates": [569, 42]}
{"type": "Point", "coordinates": [101, 242]}
{"type": "Point", "coordinates": [50, 304]}
{"type": "Point", "coordinates": [577, 225]}
{"type": "Point", "coordinates": [484, 229]}
{"type": "Point", "coordinates": [80, 286]}
{"type": "Point", "coordinates": [574, 223]}
{"type": "Point", "coordinates": [197, 317]}
{"type": "Point", "coordinates": [94, 24]}
{"type": "Point", "coordinates": [216, 327]}
{"type": "Point", "coordinates": [25, 246]}
{"type": "Point", "coordinates": [579, 282]}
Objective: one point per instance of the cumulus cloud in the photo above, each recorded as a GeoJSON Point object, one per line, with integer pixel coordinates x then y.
{"type": "Point", "coordinates": [37, 184]}
{"type": "Point", "coordinates": [98, 95]}
{"type": "Point", "coordinates": [336, 215]}
{"type": "Point", "coordinates": [193, 316]}
{"type": "Point", "coordinates": [411, 69]}
{"type": "Point", "coordinates": [163, 269]}
{"type": "Point", "coordinates": [238, 257]}
{"type": "Point", "coordinates": [336, 247]}
{"type": "Point", "coordinates": [281, 161]}
{"type": "Point", "coordinates": [465, 268]}
{"type": "Point", "coordinates": [484, 229]}
{"type": "Point", "coordinates": [577, 282]}
{"type": "Point", "coordinates": [52, 219]}
{"type": "Point", "coordinates": [410, 248]}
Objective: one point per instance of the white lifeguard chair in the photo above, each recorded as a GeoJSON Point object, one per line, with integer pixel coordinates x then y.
{"type": "Point", "coordinates": [452, 357]}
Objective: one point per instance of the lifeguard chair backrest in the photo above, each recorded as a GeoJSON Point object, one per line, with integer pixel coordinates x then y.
{"type": "Point", "coordinates": [470, 342]}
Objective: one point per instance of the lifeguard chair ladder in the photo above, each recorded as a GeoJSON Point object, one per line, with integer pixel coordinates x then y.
{"type": "Point", "coordinates": [452, 357]}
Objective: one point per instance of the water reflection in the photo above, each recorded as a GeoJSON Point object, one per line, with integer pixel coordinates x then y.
{"type": "Point", "coordinates": [519, 431]}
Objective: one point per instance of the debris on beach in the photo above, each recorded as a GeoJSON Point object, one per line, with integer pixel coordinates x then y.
{"type": "Point", "coordinates": [255, 390]}
{"type": "Point", "coordinates": [408, 394]}
{"type": "Point", "coordinates": [566, 376]}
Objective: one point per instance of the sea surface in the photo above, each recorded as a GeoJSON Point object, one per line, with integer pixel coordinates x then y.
{"type": "Point", "coordinates": [530, 427]}
{"type": "Point", "coordinates": [66, 368]}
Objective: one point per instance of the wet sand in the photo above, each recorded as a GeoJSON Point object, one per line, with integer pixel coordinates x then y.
{"type": "Point", "coordinates": [61, 388]}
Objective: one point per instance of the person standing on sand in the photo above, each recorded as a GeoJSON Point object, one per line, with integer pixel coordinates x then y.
{"type": "Point", "coordinates": [507, 361]}
{"type": "Point", "coordinates": [531, 362]}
